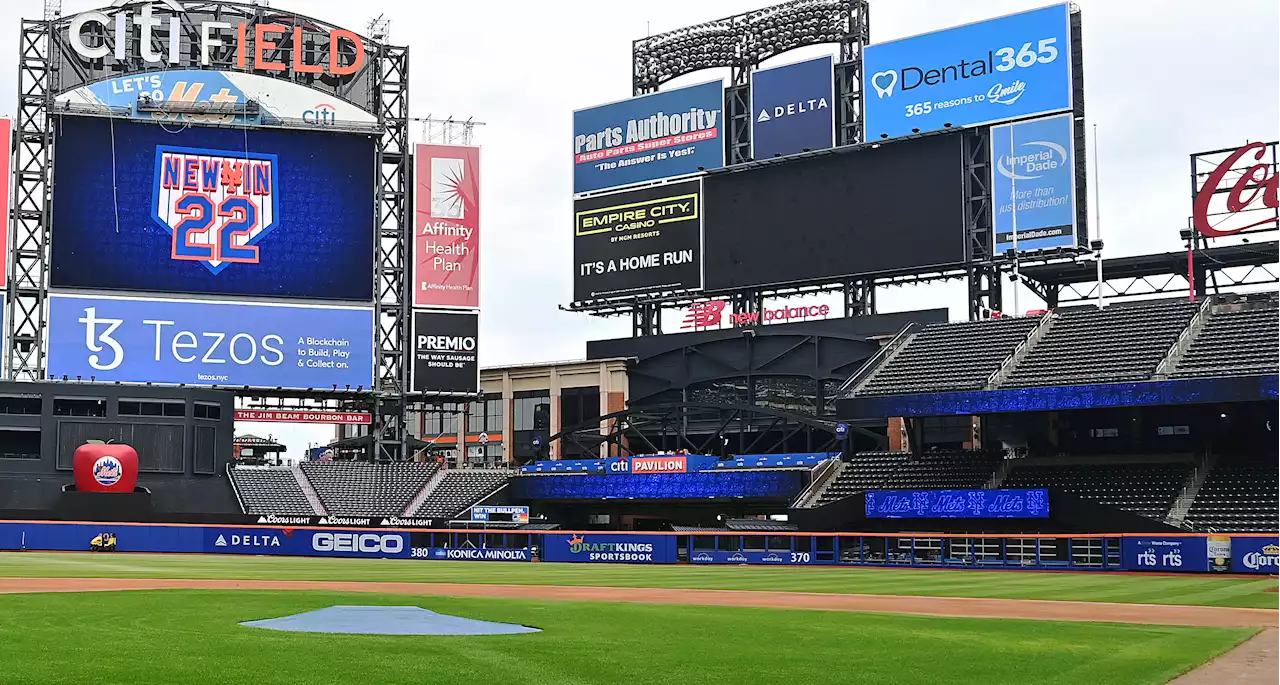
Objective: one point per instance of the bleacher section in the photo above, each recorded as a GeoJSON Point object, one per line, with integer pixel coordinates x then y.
{"type": "Point", "coordinates": [1237, 496]}
{"type": "Point", "coordinates": [1116, 344]}
{"type": "Point", "coordinates": [944, 471]}
{"type": "Point", "coordinates": [270, 491]}
{"type": "Point", "coordinates": [1237, 340]}
{"type": "Point", "coordinates": [896, 470]}
{"type": "Point", "coordinates": [360, 489]}
{"type": "Point", "coordinates": [1147, 488]}
{"type": "Point", "coordinates": [459, 490]}
{"type": "Point", "coordinates": [950, 356]}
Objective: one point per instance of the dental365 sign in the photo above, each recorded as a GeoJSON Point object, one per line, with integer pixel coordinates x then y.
{"type": "Point", "coordinates": [1005, 68]}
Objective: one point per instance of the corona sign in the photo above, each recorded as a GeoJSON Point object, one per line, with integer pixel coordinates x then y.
{"type": "Point", "coordinates": [217, 204]}
{"type": "Point", "coordinates": [154, 32]}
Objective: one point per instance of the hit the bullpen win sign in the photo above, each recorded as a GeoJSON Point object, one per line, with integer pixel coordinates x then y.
{"type": "Point", "coordinates": [651, 137]}
{"type": "Point", "coordinates": [995, 70]}
{"type": "Point", "coordinates": [638, 241]}
{"type": "Point", "coordinates": [446, 226]}
{"type": "Point", "coordinates": [793, 108]}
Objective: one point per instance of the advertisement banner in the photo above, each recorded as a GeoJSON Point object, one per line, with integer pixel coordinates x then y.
{"type": "Point", "coordinates": [994, 70]}
{"type": "Point", "coordinates": [212, 211]}
{"type": "Point", "coordinates": [1226, 184]}
{"type": "Point", "coordinates": [446, 352]}
{"type": "Point", "coordinates": [516, 514]}
{"type": "Point", "coordinates": [1033, 173]}
{"type": "Point", "coordinates": [1165, 554]}
{"type": "Point", "coordinates": [648, 138]}
{"type": "Point", "coordinates": [469, 554]}
{"type": "Point", "coordinates": [281, 415]}
{"type": "Point", "coordinates": [446, 226]}
{"type": "Point", "coordinates": [6, 160]}
{"type": "Point", "coordinates": [134, 340]}
{"type": "Point", "coordinates": [793, 108]}
{"type": "Point", "coordinates": [761, 558]}
{"type": "Point", "coordinates": [311, 543]}
{"type": "Point", "coordinates": [1255, 555]}
{"type": "Point", "coordinates": [609, 548]}
{"type": "Point", "coordinates": [638, 241]}
{"type": "Point", "coordinates": [278, 100]}
{"type": "Point", "coordinates": [1218, 550]}
{"type": "Point", "coordinates": [964, 504]}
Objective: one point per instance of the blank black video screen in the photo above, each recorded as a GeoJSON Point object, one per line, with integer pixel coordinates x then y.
{"type": "Point", "coordinates": [895, 208]}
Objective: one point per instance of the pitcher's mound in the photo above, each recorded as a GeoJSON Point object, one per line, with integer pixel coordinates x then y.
{"type": "Point", "coordinates": [385, 620]}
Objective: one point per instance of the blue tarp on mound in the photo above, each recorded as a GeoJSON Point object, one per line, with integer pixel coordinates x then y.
{"type": "Point", "coordinates": [385, 620]}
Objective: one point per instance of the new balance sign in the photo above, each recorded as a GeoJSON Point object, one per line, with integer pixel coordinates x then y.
{"type": "Point", "coordinates": [793, 109]}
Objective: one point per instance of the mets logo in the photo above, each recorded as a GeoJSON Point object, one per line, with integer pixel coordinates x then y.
{"type": "Point", "coordinates": [107, 470]}
{"type": "Point", "coordinates": [217, 204]}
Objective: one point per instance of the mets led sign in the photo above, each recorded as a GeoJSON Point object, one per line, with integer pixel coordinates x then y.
{"type": "Point", "coordinates": [1000, 69]}
{"type": "Point", "coordinates": [154, 32]}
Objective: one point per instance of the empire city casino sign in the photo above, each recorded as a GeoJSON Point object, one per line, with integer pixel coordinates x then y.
{"type": "Point", "coordinates": [154, 32]}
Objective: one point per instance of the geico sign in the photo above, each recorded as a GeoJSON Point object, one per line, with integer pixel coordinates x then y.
{"type": "Point", "coordinates": [365, 543]}
{"type": "Point", "coordinates": [254, 47]}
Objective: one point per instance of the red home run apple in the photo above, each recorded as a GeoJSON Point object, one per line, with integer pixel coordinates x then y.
{"type": "Point", "coordinates": [105, 468]}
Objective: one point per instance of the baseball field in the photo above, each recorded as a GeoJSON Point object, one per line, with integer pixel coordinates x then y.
{"type": "Point", "coordinates": [65, 618]}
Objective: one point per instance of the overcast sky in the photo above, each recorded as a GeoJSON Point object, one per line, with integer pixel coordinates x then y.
{"type": "Point", "coordinates": [1163, 79]}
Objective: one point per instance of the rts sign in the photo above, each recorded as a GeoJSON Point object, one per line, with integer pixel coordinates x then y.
{"type": "Point", "coordinates": [155, 32]}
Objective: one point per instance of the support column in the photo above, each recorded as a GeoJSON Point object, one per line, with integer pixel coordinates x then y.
{"type": "Point", "coordinates": [553, 415]}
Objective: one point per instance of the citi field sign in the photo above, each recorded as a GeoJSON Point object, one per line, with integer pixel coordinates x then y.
{"type": "Point", "coordinates": [162, 33]}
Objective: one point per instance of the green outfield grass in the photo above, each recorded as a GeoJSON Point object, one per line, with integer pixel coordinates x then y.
{"type": "Point", "coordinates": [191, 637]}
{"type": "Point", "coordinates": [1090, 587]}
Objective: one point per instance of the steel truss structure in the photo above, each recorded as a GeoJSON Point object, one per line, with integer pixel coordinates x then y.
{"type": "Point", "coordinates": [741, 43]}
{"type": "Point", "coordinates": [386, 85]}
{"type": "Point", "coordinates": [702, 428]}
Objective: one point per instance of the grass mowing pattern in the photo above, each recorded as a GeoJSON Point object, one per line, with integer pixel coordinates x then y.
{"type": "Point", "coordinates": [1192, 589]}
{"type": "Point", "coordinates": [191, 637]}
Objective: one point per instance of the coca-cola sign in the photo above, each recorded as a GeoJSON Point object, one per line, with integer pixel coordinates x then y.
{"type": "Point", "coordinates": [1236, 190]}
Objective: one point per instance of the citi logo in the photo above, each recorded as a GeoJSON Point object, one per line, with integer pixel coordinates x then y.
{"type": "Point", "coordinates": [323, 114]}
{"type": "Point", "coordinates": [792, 109]}
{"type": "Point", "coordinates": [448, 343]}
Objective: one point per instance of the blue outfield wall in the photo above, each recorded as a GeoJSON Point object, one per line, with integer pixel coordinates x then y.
{"type": "Point", "coordinates": [1188, 553]}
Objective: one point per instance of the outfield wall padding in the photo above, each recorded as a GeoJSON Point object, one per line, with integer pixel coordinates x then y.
{"type": "Point", "coordinates": [1183, 553]}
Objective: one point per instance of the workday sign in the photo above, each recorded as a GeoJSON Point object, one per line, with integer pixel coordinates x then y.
{"type": "Point", "coordinates": [792, 109]}
{"type": "Point", "coordinates": [1005, 68]}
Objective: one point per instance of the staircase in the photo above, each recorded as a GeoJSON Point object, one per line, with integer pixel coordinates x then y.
{"type": "Point", "coordinates": [1020, 352]}
{"type": "Point", "coordinates": [316, 505]}
{"type": "Point", "coordinates": [879, 359]}
{"type": "Point", "coordinates": [427, 488]}
{"type": "Point", "coordinates": [1174, 356]}
{"type": "Point", "coordinates": [997, 478]}
{"type": "Point", "coordinates": [1178, 512]}
{"type": "Point", "coordinates": [825, 474]}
